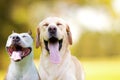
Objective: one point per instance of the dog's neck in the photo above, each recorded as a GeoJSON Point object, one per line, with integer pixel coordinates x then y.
{"type": "Point", "coordinates": [24, 63]}
{"type": "Point", "coordinates": [45, 62]}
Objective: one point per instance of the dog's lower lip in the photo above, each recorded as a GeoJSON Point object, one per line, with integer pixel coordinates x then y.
{"type": "Point", "coordinates": [46, 45]}
{"type": "Point", "coordinates": [17, 60]}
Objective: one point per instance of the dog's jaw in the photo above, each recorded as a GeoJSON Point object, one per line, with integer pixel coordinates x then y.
{"type": "Point", "coordinates": [53, 40]}
{"type": "Point", "coordinates": [17, 52]}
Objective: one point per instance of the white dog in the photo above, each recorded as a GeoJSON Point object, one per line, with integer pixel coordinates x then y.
{"type": "Point", "coordinates": [22, 67]}
{"type": "Point", "coordinates": [56, 61]}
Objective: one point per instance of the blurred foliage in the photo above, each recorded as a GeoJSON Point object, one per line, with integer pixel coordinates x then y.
{"type": "Point", "coordinates": [6, 21]}
{"type": "Point", "coordinates": [14, 14]}
{"type": "Point", "coordinates": [94, 44]}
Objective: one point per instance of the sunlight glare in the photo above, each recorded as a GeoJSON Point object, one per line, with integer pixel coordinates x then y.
{"type": "Point", "coordinates": [93, 19]}
{"type": "Point", "coordinates": [116, 5]}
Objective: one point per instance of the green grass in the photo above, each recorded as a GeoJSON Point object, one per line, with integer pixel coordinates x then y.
{"type": "Point", "coordinates": [102, 69]}
{"type": "Point", "coordinates": [95, 69]}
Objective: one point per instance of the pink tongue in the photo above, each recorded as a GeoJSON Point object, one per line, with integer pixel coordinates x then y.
{"type": "Point", "coordinates": [16, 55]}
{"type": "Point", "coordinates": [54, 53]}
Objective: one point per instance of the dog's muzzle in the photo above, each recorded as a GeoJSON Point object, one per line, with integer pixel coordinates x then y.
{"type": "Point", "coordinates": [16, 51]}
{"type": "Point", "coordinates": [53, 45]}
{"type": "Point", "coordinates": [53, 39]}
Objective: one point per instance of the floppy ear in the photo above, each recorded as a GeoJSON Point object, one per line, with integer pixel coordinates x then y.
{"type": "Point", "coordinates": [30, 32]}
{"type": "Point", "coordinates": [69, 35]}
{"type": "Point", "coordinates": [38, 38]}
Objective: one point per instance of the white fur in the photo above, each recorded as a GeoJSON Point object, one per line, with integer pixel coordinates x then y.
{"type": "Point", "coordinates": [24, 69]}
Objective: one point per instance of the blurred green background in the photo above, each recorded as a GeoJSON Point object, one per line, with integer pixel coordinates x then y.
{"type": "Point", "coordinates": [95, 26]}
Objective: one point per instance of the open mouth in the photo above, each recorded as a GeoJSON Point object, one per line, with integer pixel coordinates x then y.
{"type": "Point", "coordinates": [53, 40]}
{"type": "Point", "coordinates": [53, 46]}
{"type": "Point", "coordinates": [18, 52]}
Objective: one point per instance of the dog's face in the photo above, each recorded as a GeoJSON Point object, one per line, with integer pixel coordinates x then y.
{"type": "Point", "coordinates": [19, 45]}
{"type": "Point", "coordinates": [52, 34]}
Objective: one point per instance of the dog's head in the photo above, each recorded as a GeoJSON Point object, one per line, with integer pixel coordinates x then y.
{"type": "Point", "coordinates": [54, 35]}
{"type": "Point", "coordinates": [19, 45]}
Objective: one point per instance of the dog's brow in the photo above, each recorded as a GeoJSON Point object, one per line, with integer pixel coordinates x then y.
{"type": "Point", "coordinates": [45, 24]}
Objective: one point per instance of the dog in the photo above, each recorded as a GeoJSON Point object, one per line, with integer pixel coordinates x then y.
{"type": "Point", "coordinates": [20, 50]}
{"type": "Point", "coordinates": [56, 62]}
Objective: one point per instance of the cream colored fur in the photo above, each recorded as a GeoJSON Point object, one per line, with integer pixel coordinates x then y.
{"type": "Point", "coordinates": [69, 68]}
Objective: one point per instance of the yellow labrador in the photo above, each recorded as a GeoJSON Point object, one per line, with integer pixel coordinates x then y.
{"type": "Point", "coordinates": [56, 61]}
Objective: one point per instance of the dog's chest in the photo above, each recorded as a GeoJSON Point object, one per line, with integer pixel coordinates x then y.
{"type": "Point", "coordinates": [52, 69]}
{"type": "Point", "coordinates": [22, 72]}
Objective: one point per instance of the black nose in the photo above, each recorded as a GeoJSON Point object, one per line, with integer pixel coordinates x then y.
{"type": "Point", "coordinates": [16, 38]}
{"type": "Point", "coordinates": [52, 30]}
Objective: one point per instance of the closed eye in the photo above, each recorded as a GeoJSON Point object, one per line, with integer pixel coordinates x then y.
{"type": "Point", "coordinates": [46, 24]}
{"type": "Point", "coordinates": [58, 24]}
{"type": "Point", "coordinates": [24, 36]}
